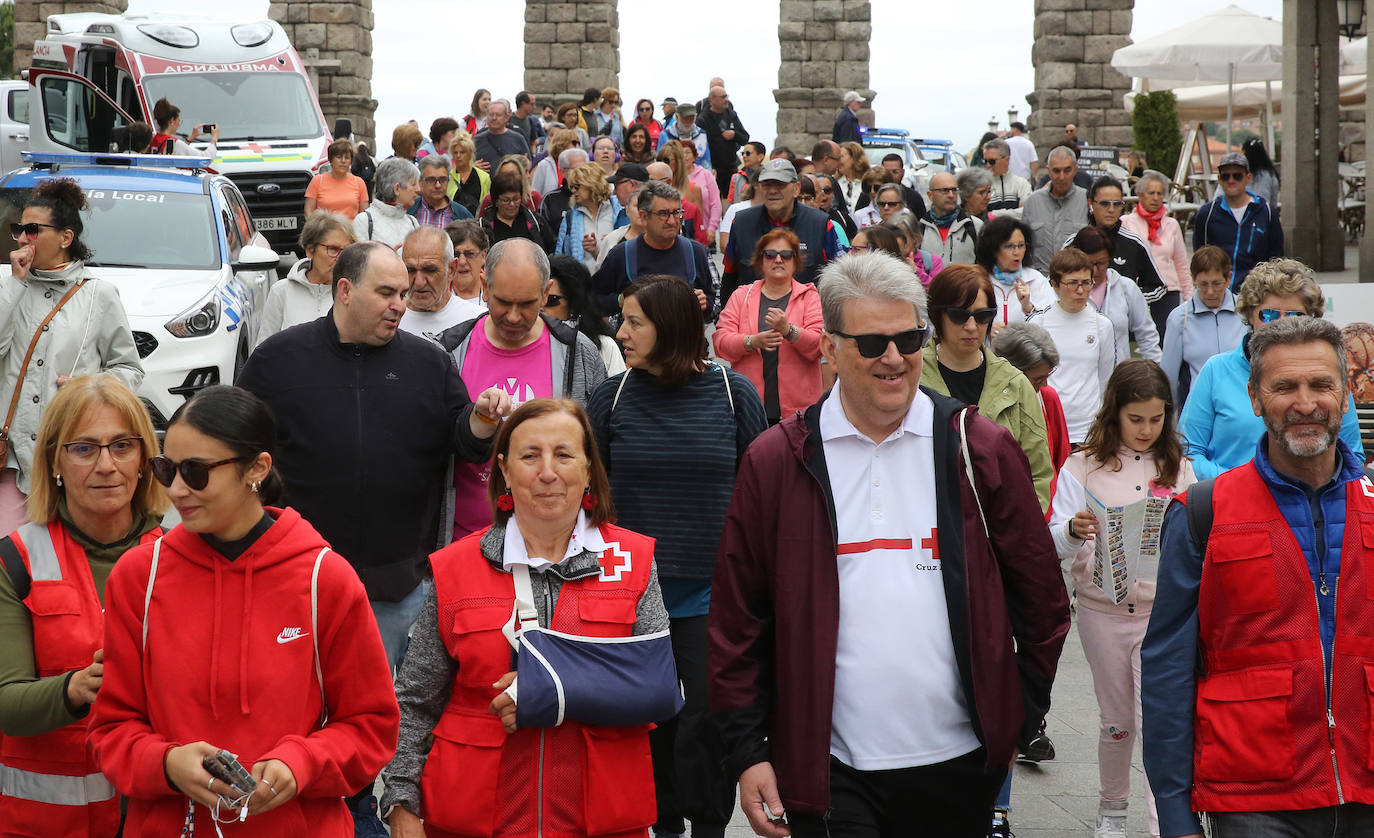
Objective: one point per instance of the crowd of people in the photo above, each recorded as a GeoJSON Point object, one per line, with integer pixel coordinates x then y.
{"type": "Point", "coordinates": [587, 472]}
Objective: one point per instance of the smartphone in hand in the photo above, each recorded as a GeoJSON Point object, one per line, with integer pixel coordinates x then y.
{"type": "Point", "coordinates": [224, 766]}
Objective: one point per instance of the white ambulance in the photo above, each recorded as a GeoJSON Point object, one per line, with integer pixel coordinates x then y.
{"type": "Point", "coordinates": [94, 73]}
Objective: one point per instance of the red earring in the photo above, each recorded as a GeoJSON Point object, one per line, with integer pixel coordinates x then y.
{"type": "Point", "coordinates": [589, 500]}
{"type": "Point", "coordinates": [505, 502]}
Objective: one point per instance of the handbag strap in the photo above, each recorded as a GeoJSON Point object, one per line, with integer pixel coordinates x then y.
{"type": "Point", "coordinates": [968, 468]}
{"type": "Point", "coordinates": [28, 355]}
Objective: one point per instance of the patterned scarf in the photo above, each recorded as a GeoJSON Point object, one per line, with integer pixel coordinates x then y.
{"type": "Point", "coordinates": [1152, 219]}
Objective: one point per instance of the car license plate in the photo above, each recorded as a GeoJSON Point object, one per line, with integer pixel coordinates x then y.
{"type": "Point", "coordinates": [279, 223]}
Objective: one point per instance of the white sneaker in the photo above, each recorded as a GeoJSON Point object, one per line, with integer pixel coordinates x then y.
{"type": "Point", "coordinates": [1111, 826]}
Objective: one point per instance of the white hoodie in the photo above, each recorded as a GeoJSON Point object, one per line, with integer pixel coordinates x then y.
{"type": "Point", "coordinates": [292, 301]}
{"type": "Point", "coordinates": [389, 224]}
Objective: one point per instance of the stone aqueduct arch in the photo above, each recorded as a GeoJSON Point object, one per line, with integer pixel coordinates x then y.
{"type": "Point", "coordinates": [574, 44]}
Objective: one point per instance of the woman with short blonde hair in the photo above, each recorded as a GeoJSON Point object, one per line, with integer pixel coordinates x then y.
{"type": "Point", "coordinates": [467, 184]}
{"type": "Point", "coordinates": [589, 217]}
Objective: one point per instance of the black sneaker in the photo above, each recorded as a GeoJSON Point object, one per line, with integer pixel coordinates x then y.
{"type": "Point", "coordinates": [1001, 826]}
{"type": "Point", "coordinates": [1040, 748]}
{"type": "Point", "coordinates": [366, 824]}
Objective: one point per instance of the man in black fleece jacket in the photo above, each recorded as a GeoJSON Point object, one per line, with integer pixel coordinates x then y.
{"type": "Point", "coordinates": [367, 417]}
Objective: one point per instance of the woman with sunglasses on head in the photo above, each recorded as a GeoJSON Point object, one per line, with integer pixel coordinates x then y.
{"type": "Point", "coordinates": [238, 630]}
{"type": "Point", "coordinates": [57, 321]}
{"type": "Point", "coordinates": [1003, 249]}
{"type": "Point", "coordinates": [961, 363]}
{"type": "Point", "coordinates": [93, 498]}
{"type": "Point", "coordinates": [672, 431]}
{"type": "Point", "coordinates": [1131, 256]}
{"type": "Point", "coordinates": [305, 293]}
{"type": "Point", "coordinates": [1219, 428]}
{"type": "Point", "coordinates": [770, 330]}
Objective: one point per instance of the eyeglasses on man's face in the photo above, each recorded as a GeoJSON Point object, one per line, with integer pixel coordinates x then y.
{"type": "Point", "coordinates": [665, 214]}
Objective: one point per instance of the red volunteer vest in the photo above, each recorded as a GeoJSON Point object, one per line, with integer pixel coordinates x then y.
{"type": "Point", "coordinates": [1263, 738]}
{"type": "Point", "coordinates": [570, 780]}
{"type": "Point", "coordinates": [51, 784]}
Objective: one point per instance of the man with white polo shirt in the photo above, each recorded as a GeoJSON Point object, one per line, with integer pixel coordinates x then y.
{"type": "Point", "coordinates": [886, 617]}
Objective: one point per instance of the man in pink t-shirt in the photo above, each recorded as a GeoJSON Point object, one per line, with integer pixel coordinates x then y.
{"type": "Point", "coordinates": [516, 349]}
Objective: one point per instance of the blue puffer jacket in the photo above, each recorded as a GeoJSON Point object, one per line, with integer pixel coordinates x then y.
{"type": "Point", "coordinates": [1257, 238]}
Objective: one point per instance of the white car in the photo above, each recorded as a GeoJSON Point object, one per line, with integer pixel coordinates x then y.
{"type": "Point", "coordinates": [180, 246]}
{"type": "Point", "coordinates": [14, 122]}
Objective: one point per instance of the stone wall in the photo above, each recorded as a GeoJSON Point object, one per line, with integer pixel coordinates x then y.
{"type": "Point", "coordinates": [31, 22]}
{"type": "Point", "coordinates": [824, 46]}
{"type": "Point", "coordinates": [345, 54]}
{"type": "Point", "coordinates": [1074, 79]}
{"type": "Point", "coordinates": [569, 47]}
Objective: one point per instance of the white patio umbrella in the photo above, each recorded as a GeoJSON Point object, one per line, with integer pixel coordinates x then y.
{"type": "Point", "coordinates": [1231, 45]}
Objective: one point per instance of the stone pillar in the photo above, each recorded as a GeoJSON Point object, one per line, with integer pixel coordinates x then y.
{"type": "Point", "coordinates": [1310, 191]}
{"type": "Point", "coordinates": [1366, 241]}
{"type": "Point", "coordinates": [31, 22]}
{"type": "Point", "coordinates": [1074, 79]}
{"type": "Point", "coordinates": [824, 54]}
{"type": "Point", "coordinates": [569, 47]}
{"type": "Point", "coordinates": [341, 32]}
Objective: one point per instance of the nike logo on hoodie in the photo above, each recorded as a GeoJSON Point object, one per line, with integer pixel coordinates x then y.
{"type": "Point", "coordinates": [289, 634]}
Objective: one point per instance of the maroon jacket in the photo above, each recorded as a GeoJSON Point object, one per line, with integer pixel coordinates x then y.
{"type": "Point", "coordinates": [775, 600]}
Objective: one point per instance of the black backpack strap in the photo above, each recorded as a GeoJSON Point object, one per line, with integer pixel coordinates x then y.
{"type": "Point", "coordinates": [14, 565]}
{"type": "Point", "coordinates": [1199, 509]}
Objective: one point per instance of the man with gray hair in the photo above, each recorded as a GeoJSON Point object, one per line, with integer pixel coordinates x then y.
{"type": "Point", "coordinates": [1009, 191]}
{"type": "Point", "coordinates": [433, 207]}
{"type": "Point", "coordinates": [431, 306]}
{"type": "Point", "coordinates": [887, 612]}
{"type": "Point", "coordinates": [846, 129]}
{"type": "Point", "coordinates": [516, 348]}
{"type": "Point", "coordinates": [1255, 706]}
{"type": "Point", "coordinates": [497, 140]}
{"type": "Point", "coordinates": [662, 249]}
{"type": "Point", "coordinates": [1057, 210]}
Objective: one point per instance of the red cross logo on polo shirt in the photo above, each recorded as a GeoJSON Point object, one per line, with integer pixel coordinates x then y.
{"type": "Point", "coordinates": [932, 544]}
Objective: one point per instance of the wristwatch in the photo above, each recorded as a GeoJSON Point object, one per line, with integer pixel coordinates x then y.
{"type": "Point", "coordinates": [792, 333]}
{"type": "Point", "coordinates": [748, 343]}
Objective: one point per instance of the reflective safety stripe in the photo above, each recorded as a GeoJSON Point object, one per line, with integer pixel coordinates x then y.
{"type": "Point", "coordinates": [54, 788]}
{"type": "Point", "coordinates": [43, 564]}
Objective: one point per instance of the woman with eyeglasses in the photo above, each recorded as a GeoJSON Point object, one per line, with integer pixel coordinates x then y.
{"type": "Point", "coordinates": [1117, 297]}
{"type": "Point", "coordinates": [961, 364]}
{"type": "Point", "coordinates": [644, 115]}
{"type": "Point", "coordinates": [1219, 428]}
{"type": "Point", "coordinates": [1131, 256]}
{"type": "Point", "coordinates": [770, 330]}
{"type": "Point", "coordinates": [1003, 250]}
{"type": "Point", "coordinates": [517, 164]}
{"type": "Point", "coordinates": [671, 431]}
{"type": "Point", "coordinates": [508, 218]}
{"type": "Point", "coordinates": [589, 217]}
{"type": "Point", "coordinates": [238, 630]}
{"type": "Point", "coordinates": [1087, 352]}
{"type": "Point", "coordinates": [571, 300]}
{"type": "Point", "coordinates": [57, 321]}
{"type": "Point", "coordinates": [609, 121]}
{"type": "Point", "coordinates": [469, 257]}
{"type": "Point", "coordinates": [306, 292]}
{"type": "Point", "coordinates": [93, 499]}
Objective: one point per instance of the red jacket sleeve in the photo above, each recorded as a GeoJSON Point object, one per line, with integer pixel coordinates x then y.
{"type": "Point", "coordinates": [130, 753]}
{"type": "Point", "coordinates": [809, 325]}
{"type": "Point", "coordinates": [359, 737]}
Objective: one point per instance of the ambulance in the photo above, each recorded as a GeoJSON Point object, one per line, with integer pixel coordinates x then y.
{"type": "Point", "coordinates": [93, 74]}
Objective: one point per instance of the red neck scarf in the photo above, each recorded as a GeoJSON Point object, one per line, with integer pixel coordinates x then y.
{"type": "Point", "coordinates": [1152, 219]}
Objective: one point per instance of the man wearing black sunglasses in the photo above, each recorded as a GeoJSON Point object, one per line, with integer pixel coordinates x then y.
{"type": "Point", "coordinates": [1238, 221]}
{"type": "Point", "coordinates": [905, 530]}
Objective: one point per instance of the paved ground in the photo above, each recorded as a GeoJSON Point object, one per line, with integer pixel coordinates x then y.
{"type": "Point", "coordinates": [1058, 799]}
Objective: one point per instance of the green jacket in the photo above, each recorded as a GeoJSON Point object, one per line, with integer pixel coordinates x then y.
{"type": "Point", "coordinates": [1010, 401]}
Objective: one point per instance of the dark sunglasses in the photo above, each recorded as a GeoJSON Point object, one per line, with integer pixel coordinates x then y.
{"type": "Point", "coordinates": [1269, 315]}
{"type": "Point", "coordinates": [555, 300]}
{"type": "Point", "coordinates": [873, 346]}
{"type": "Point", "coordinates": [889, 204]}
{"type": "Point", "coordinates": [33, 228]}
{"type": "Point", "coordinates": [778, 254]}
{"type": "Point", "coordinates": [959, 316]}
{"type": "Point", "coordinates": [194, 472]}
{"type": "Point", "coordinates": [1231, 175]}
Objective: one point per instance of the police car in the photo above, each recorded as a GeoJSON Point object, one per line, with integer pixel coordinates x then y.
{"type": "Point", "coordinates": [880, 142]}
{"type": "Point", "coordinates": [180, 245]}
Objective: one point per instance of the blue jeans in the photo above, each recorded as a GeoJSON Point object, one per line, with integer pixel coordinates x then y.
{"type": "Point", "coordinates": [1347, 820]}
{"type": "Point", "coordinates": [1004, 796]}
{"type": "Point", "coordinates": [394, 620]}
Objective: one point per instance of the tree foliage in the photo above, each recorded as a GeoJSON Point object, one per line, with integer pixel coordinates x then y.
{"type": "Point", "coordinates": [1154, 128]}
{"type": "Point", "coordinates": [6, 39]}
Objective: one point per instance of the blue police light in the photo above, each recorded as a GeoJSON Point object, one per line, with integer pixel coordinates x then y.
{"type": "Point", "coordinates": [48, 159]}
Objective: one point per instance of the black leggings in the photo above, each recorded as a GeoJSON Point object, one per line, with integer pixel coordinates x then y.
{"type": "Point", "coordinates": [689, 773]}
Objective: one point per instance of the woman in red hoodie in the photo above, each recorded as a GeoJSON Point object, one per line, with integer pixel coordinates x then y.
{"type": "Point", "coordinates": [238, 630]}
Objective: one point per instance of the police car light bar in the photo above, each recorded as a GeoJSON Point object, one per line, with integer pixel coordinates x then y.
{"type": "Point", "coordinates": [48, 159]}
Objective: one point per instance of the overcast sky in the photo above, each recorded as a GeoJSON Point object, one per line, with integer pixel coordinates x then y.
{"type": "Point", "coordinates": [941, 71]}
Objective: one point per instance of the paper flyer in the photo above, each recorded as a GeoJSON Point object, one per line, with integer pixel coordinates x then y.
{"type": "Point", "coordinates": [1127, 543]}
